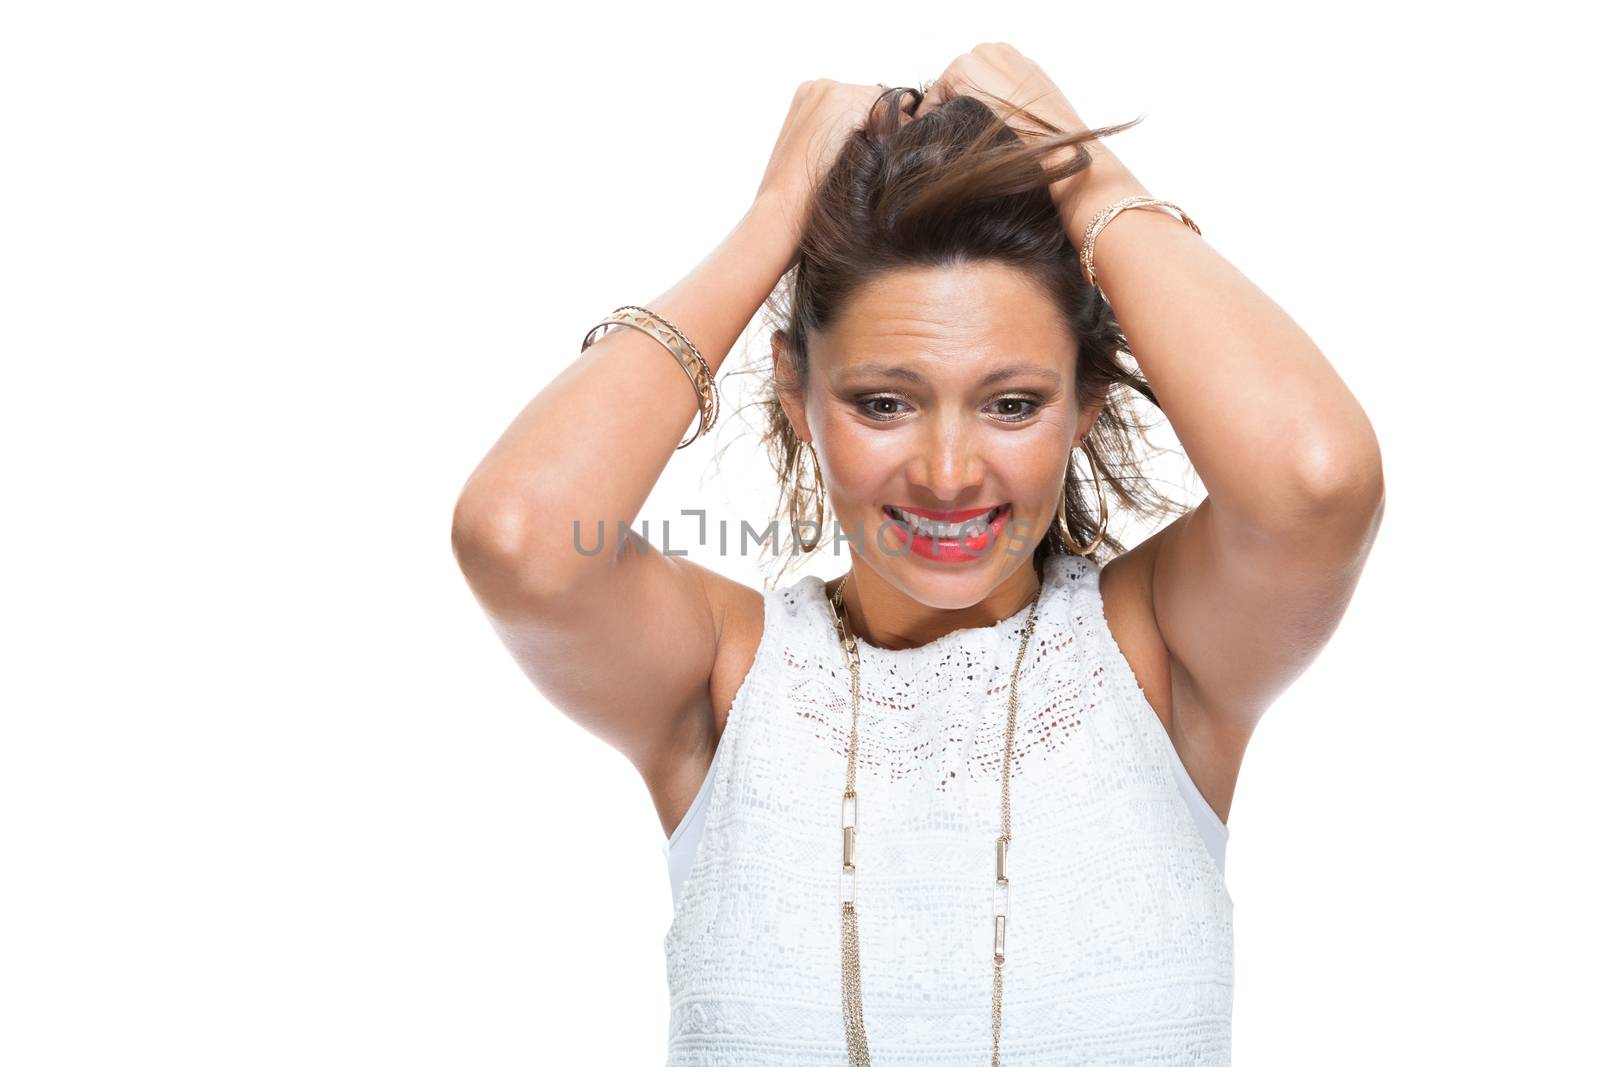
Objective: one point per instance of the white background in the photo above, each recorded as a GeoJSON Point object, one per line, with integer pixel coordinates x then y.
{"type": "Point", "coordinates": [276, 275]}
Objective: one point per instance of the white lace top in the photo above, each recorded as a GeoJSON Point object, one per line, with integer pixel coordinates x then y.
{"type": "Point", "coordinates": [1119, 945]}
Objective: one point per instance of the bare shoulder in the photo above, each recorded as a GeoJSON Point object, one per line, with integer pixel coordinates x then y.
{"type": "Point", "coordinates": [675, 779]}
{"type": "Point", "coordinates": [739, 610]}
{"type": "Point", "coordinates": [1125, 584]}
{"type": "Point", "coordinates": [1126, 590]}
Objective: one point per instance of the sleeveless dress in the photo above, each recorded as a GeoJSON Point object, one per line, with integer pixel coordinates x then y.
{"type": "Point", "coordinates": [1119, 941]}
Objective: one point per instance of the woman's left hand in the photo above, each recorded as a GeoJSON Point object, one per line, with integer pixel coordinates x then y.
{"type": "Point", "coordinates": [997, 70]}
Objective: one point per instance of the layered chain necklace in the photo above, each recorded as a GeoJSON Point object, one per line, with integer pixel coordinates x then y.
{"type": "Point", "coordinates": [854, 1024]}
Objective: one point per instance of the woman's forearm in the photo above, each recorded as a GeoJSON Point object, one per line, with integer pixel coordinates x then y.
{"type": "Point", "coordinates": [591, 445]}
{"type": "Point", "coordinates": [1271, 429]}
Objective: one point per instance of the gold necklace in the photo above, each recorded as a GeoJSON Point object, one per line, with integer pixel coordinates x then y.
{"type": "Point", "coordinates": [849, 930]}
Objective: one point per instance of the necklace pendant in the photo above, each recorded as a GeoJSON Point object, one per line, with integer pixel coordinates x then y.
{"type": "Point", "coordinates": [847, 821]}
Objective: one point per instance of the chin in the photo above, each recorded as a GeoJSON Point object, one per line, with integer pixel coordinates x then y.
{"type": "Point", "coordinates": [945, 585]}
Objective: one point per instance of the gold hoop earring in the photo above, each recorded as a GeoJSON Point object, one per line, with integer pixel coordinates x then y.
{"type": "Point", "coordinates": [816, 493]}
{"type": "Point", "coordinates": [1100, 493]}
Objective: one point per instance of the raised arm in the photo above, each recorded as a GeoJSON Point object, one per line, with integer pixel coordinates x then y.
{"type": "Point", "coordinates": [622, 643]}
{"type": "Point", "coordinates": [626, 644]}
{"type": "Point", "coordinates": [1248, 587]}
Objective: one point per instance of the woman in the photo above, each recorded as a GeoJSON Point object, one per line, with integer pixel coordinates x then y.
{"type": "Point", "coordinates": [972, 792]}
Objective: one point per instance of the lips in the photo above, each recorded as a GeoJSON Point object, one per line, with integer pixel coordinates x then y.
{"type": "Point", "coordinates": [945, 525]}
{"type": "Point", "coordinates": [943, 516]}
{"type": "Point", "coordinates": [962, 539]}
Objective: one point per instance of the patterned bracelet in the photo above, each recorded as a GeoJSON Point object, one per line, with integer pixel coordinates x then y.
{"type": "Point", "coordinates": [1104, 216]}
{"type": "Point", "coordinates": [682, 349]}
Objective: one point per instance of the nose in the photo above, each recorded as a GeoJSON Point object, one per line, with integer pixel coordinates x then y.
{"type": "Point", "coordinates": [948, 466]}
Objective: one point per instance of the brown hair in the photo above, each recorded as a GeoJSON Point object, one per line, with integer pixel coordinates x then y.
{"type": "Point", "coordinates": [958, 184]}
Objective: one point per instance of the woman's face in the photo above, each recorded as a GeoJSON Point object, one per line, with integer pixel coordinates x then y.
{"type": "Point", "coordinates": [944, 393]}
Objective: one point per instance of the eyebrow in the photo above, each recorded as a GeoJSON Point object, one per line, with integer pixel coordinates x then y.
{"type": "Point", "coordinates": [999, 374]}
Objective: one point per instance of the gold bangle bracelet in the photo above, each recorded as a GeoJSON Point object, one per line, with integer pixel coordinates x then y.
{"type": "Point", "coordinates": [1103, 218]}
{"type": "Point", "coordinates": [681, 348]}
{"type": "Point", "coordinates": [705, 368]}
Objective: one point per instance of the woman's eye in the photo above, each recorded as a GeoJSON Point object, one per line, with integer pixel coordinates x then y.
{"type": "Point", "coordinates": [1016, 408]}
{"type": "Point", "coordinates": [881, 407]}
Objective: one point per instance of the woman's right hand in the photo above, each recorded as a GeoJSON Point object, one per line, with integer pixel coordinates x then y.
{"type": "Point", "coordinates": [821, 116]}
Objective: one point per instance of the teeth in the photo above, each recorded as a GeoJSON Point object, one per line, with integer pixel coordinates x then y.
{"type": "Point", "coordinates": [946, 531]}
